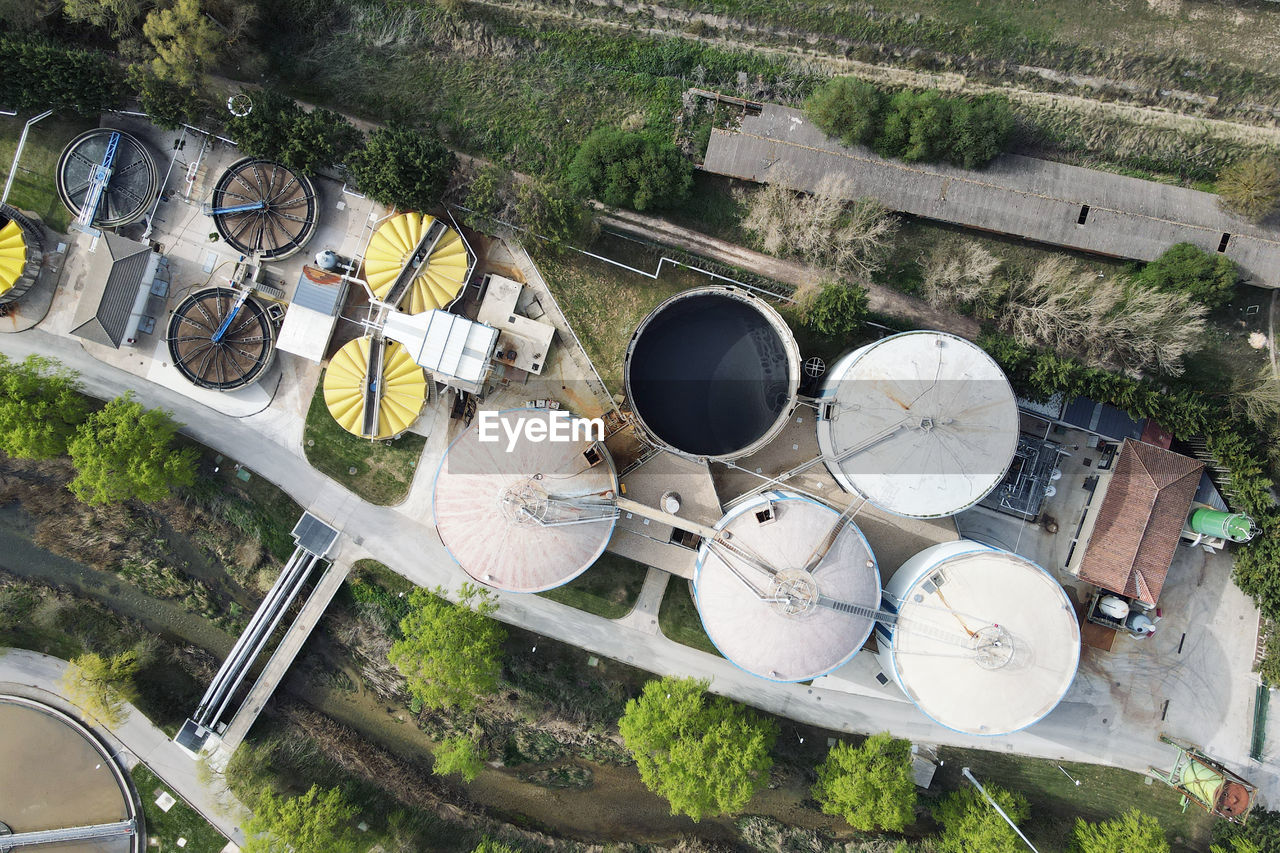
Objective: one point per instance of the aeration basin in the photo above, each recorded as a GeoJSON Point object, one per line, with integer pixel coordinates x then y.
{"type": "Point", "coordinates": [712, 373]}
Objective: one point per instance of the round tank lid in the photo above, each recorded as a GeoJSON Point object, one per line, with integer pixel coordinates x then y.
{"type": "Point", "coordinates": [986, 641]}
{"type": "Point", "coordinates": [922, 424]}
{"type": "Point", "coordinates": [790, 591]}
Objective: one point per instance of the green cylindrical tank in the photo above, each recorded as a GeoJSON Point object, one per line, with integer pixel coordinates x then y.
{"type": "Point", "coordinates": [1235, 526]}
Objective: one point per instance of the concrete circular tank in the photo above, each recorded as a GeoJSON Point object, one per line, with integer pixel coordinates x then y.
{"type": "Point", "coordinates": [986, 642]}
{"type": "Point", "coordinates": [264, 209]}
{"type": "Point", "coordinates": [220, 341]}
{"type": "Point", "coordinates": [133, 182]}
{"type": "Point", "coordinates": [712, 373]}
{"type": "Point", "coordinates": [789, 588]}
{"type": "Point", "coordinates": [524, 515]}
{"type": "Point", "coordinates": [57, 775]}
{"type": "Point", "coordinates": [922, 424]}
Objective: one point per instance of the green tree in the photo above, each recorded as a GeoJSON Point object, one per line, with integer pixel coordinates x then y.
{"type": "Point", "coordinates": [630, 170]}
{"type": "Point", "coordinates": [458, 754]}
{"type": "Point", "coordinates": [40, 407]}
{"type": "Point", "coordinates": [917, 127]}
{"type": "Point", "coordinates": [278, 128]}
{"type": "Point", "coordinates": [1207, 277]}
{"type": "Point", "coordinates": [980, 129]}
{"type": "Point", "coordinates": [118, 17]}
{"type": "Point", "coordinates": [837, 310]}
{"type": "Point", "coordinates": [549, 210]}
{"type": "Point", "coordinates": [1236, 845]}
{"type": "Point", "coordinates": [101, 685]}
{"type": "Point", "coordinates": [124, 451]}
{"type": "Point", "coordinates": [971, 825]}
{"type": "Point", "coordinates": [402, 168]}
{"type": "Point", "coordinates": [1132, 832]}
{"type": "Point", "coordinates": [42, 75]}
{"type": "Point", "coordinates": [317, 822]}
{"type": "Point", "coordinates": [705, 754]}
{"type": "Point", "coordinates": [169, 105]}
{"type": "Point", "coordinates": [1251, 187]}
{"type": "Point", "coordinates": [847, 108]}
{"type": "Point", "coordinates": [450, 653]}
{"type": "Point", "coordinates": [870, 786]}
{"type": "Point", "coordinates": [185, 42]}
{"type": "Point", "coordinates": [488, 845]}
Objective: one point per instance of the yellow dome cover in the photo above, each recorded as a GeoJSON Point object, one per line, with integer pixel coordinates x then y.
{"type": "Point", "coordinates": [403, 388]}
{"type": "Point", "coordinates": [442, 276]}
{"type": "Point", "coordinates": [13, 254]}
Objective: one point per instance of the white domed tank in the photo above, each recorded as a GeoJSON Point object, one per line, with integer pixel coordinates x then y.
{"type": "Point", "coordinates": [922, 424]}
{"type": "Point", "coordinates": [986, 642]}
{"type": "Point", "coordinates": [788, 590]}
{"type": "Point", "coordinates": [526, 517]}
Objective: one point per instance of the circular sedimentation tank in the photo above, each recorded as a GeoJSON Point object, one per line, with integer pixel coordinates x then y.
{"type": "Point", "coordinates": [440, 279]}
{"type": "Point", "coordinates": [712, 373]}
{"type": "Point", "coordinates": [134, 180]}
{"type": "Point", "coordinates": [788, 589]}
{"type": "Point", "coordinates": [264, 209]}
{"type": "Point", "coordinates": [986, 642]}
{"type": "Point", "coordinates": [216, 350]}
{"type": "Point", "coordinates": [21, 253]}
{"type": "Point", "coordinates": [57, 775]}
{"type": "Point", "coordinates": [401, 387]}
{"type": "Point", "coordinates": [922, 424]}
{"type": "Point", "coordinates": [529, 515]}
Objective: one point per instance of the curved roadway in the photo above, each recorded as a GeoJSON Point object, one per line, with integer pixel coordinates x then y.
{"type": "Point", "coordinates": [1091, 731]}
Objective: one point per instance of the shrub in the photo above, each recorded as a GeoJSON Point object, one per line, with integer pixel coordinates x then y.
{"type": "Point", "coordinates": [402, 168]}
{"type": "Point", "coordinates": [971, 825]}
{"type": "Point", "coordinates": [279, 129]}
{"type": "Point", "coordinates": [631, 170]}
{"type": "Point", "coordinates": [1251, 187]}
{"type": "Point", "coordinates": [837, 310]}
{"type": "Point", "coordinates": [40, 75]}
{"type": "Point", "coordinates": [1207, 277]}
{"type": "Point", "coordinates": [922, 126]}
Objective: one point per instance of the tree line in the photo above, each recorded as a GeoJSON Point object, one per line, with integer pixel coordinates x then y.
{"type": "Point", "coordinates": [706, 755]}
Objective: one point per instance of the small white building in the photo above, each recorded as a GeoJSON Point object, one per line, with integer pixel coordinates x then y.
{"type": "Point", "coordinates": [523, 342]}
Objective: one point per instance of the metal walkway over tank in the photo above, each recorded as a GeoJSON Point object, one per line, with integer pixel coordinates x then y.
{"type": "Point", "coordinates": [315, 542]}
{"type": "Point", "coordinates": [68, 835]}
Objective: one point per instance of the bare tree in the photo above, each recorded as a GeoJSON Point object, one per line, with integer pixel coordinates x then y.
{"type": "Point", "coordinates": [1256, 396]}
{"type": "Point", "coordinates": [850, 238]}
{"type": "Point", "coordinates": [1102, 321]}
{"type": "Point", "coordinates": [958, 273]}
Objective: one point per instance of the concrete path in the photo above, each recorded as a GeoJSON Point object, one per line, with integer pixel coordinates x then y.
{"type": "Point", "coordinates": [1088, 726]}
{"type": "Point", "coordinates": [644, 615]}
{"type": "Point", "coordinates": [882, 300]}
{"type": "Point", "coordinates": [135, 740]}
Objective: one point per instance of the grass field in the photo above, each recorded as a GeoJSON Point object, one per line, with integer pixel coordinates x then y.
{"type": "Point", "coordinates": [34, 188]}
{"type": "Point", "coordinates": [609, 588]}
{"type": "Point", "coordinates": [679, 620]}
{"type": "Point", "coordinates": [164, 829]}
{"type": "Point", "coordinates": [1056, 802]}
{"type": "Point", "coordinates": [383, 470]}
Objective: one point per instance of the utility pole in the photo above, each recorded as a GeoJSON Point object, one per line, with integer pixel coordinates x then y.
{"type": "Point", "coordinates": [983, 791]}
{"type": "Point", "coordinates": [22, 141]}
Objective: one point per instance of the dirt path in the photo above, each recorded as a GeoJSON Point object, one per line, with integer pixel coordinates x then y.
{"type": "Point", "coordinates": [801, 276]}
{"type": "Point", "coordinates": [1147, 116]}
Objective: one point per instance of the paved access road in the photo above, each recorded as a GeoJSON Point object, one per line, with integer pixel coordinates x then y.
{"type": "Point", "coordinates": [404, 539]}
{"type": "Point", "coordinates": [39, 677]}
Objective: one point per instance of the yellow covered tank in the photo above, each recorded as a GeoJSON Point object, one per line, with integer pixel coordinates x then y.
{"type": "Point", "coordinates": [398, 391]}
{"type": "Point", "coordinates": [440, 277]}
{"type": "Point", "coordinates": [20, 254]}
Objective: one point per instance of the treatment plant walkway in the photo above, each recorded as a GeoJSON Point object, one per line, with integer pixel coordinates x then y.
{"type": "Point", "coordinates": [135, 740]}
